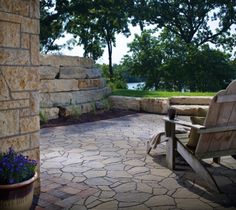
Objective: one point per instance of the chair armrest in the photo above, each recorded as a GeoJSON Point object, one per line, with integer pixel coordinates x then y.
{"type": "Point", "coordinates": [217, 129]}
{"type": "Point", "coordinates": [184, 123]}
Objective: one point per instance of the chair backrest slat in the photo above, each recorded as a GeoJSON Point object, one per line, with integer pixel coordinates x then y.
{"type": "Point", "coordinates": [222, 112]}
{"type": "Point", "coordinates": [226, 98]}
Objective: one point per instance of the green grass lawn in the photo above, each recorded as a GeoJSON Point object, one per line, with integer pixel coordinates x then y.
{"type": "Point", "coordinates": [155, 94]}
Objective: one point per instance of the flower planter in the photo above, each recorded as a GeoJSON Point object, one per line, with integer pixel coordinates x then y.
{"type": "Point", "coordinates": [17, 196]}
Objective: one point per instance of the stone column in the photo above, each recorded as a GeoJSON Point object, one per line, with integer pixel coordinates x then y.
{"type": "Point", "coordinates": [19, 78]}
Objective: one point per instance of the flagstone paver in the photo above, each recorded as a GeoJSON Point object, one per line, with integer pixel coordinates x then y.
{"type": "Point", "coordinates": [103, 165]}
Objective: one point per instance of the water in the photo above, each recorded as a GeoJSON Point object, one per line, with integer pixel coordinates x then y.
{"type": "Point", "coordinates": [134, 85]}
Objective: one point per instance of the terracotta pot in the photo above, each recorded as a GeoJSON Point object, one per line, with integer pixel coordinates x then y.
{"type": "Point", "coordinates": [17, 196]}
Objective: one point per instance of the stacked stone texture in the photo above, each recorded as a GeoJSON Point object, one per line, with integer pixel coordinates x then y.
{"type": "Point", "coordinates": [184, 105]}
{"type": "Point", "coordinates": [19, 78]}
{"type": "Point", "coordinates": [69, 82]}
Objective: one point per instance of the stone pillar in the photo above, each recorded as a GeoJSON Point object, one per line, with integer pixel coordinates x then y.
{"type": "Point", "coordinates": [19, 78]}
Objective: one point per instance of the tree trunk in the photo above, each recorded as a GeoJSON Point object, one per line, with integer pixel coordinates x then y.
{"type": "Point", "coordinates": [109, 46]}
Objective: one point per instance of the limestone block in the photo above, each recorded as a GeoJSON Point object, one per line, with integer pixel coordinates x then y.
{"type": "Point", "coordinates": [51, 113]}
{"type": "Point", "coordinates": [34, 49]}
{"type": "Point", "coordinates": [34, 103]}
{"type": "Point", "coordinates": [91, 83]}
{"type": "Point", "coordinates": [34, 9]}
{"type": "Point", "coordinates": [25, 112]}
{"type": "Point", "coordinates": [72, 98]}
{"type": "Point", "coordinates": [14, 57]}
{"type": "Point", "coordinates": [30, 25]}
{"type": "Point", "coordinates": [21, 78]}
{"type": "Point", "coordinates": [80, 97]}
{"type": "Point", "coordinates": [6, 5]}
{"type": "Point", "coordinates": [4, 92]}
{"type": "Point", "coordinates": [61, 85]}
{"type": "Point", "coordinates": [16, 104]}
{"type": "Point", "coordinates": [20, 7]}
{"type": "Point", "coordinates": [20, 95]}
{"type": "Point", "coordinates": [18, 143]}
{"type": "Point", "coordinates": [9, 34]}
{"type": "Point", "coordinates": [34, 140]}
{"type": "Point", "coordinates": [189, 110]}
{"type": "Point", "coordinates": [10, 17]}
{"type": "Point", "coordinates": [48, 72]}
{"type": "Point", "coordinates": [58, 60]}
{"type": "Point", "coordinates": [123, 102]}
{"type": "Point", "coordinates": [154, 105]}
{"type": "Point", "coordinates": [55, 99]}
{"type": "Point", "coordinates": [76, 72]}
{"type": "Point", "coordinates": [29, 124]}
{"type": "Point", "coordinates": [190, 100]}
{"type": "Point", "coordinates": [9, 123]}
{"type": "Point", "coordinates": [25, 41]}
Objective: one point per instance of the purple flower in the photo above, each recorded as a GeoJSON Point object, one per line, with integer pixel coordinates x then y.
{"type": "Point", "coordinates": [15, 167]}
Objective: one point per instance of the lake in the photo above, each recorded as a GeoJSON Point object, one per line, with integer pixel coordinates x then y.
{"type": "Point", "coordinates": [134, 85]}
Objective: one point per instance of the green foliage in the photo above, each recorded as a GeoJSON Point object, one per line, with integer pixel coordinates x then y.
{"type": "Point", "coordinates": [106, 103]}
{"type": "Point", "coordinates": [96, 23]}
{"type": "Point", "coordinates": [75, 112]}
{"type": "Point", "coordinates": [189, 20]}
{"type": "Point", "coordinates": [154, 94]}
{"type": "Point", "coordinates": [93, 105]}
{"type": "Point", "coordinates": [118, 81]}
{"type": "Point", "coordinates": [169, 63]}
{"type": "Point", "coordinates": [51, 25]}
{"type": "Point", "coordinates": [43, 116]}
{"type": "Point", "coordinates": [146, 59]}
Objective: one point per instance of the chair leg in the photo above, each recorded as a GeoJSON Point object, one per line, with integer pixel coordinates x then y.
{"type": "Point", "coordinates": [170, 145]}
{"type": "Point", "coordinates": [170, 154]}
{"type": "Point", "coordinates": [234, 156]}
{"type": "Point", "coordinates": [198, 167]}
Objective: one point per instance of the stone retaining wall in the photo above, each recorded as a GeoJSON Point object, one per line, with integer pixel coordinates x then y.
{"type": "Point", "coordinates": [19, 78]}
{"type": "Point", "coordinates": [183, 105]}
{"type": "Point", "coordinates": [67, 83]}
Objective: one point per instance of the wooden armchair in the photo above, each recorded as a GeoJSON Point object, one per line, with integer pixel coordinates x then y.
{"type": "Point", "coordinates": [217, 135]}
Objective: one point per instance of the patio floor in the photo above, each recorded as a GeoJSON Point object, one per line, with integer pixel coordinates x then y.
{"type": "Point", "coordinates": [103, 165]}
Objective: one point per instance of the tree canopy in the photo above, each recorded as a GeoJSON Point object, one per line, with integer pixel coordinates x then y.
{"type": "Point", "coordinates": [190, 19]}
{"type": "Point", "coordinates": [51, 26]}
{"type": "Point", "coordinates": [166, 62]}
{"type": "Point", "coordinates": [184, 28]}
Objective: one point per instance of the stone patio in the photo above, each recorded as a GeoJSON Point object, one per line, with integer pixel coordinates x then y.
{"type": "Point", "coordinates": [103, 165]}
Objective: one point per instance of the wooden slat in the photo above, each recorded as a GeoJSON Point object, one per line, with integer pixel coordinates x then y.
{"type": "Point", "coordinates": [220, 141]}
{"type": "Point", "coordinates": [217, 129]}
{"type": "Point", "coordinates": [206, 155]}
{"type": "Point", "coordinates": [226, 98]}
{"type": "Point", "coordinates": [183, 123]}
